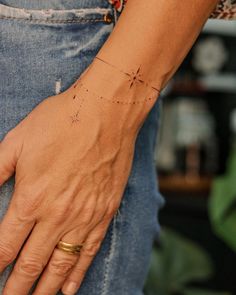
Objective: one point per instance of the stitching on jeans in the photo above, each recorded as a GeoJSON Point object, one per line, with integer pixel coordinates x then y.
{"type": "Point", "coordinates": [54, 21]}
{"type": "Point", "coordinates": [105, 288]}
{"type": "Point", "coordinates": [109, 257]}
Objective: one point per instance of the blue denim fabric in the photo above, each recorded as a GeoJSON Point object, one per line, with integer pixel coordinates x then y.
{"type": "Point", "coordinates": [42, 52]}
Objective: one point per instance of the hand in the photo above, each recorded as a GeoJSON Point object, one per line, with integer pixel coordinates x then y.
{"type": "Point", "coordinates": [71, 156]}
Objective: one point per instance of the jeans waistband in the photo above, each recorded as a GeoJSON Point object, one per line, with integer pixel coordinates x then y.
{"type": "Point", "coordinates": [84, 11]}
{"type": "Point", "coordinates": [56, 4]}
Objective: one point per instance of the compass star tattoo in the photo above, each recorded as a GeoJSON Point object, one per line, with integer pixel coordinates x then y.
{"type": "Point", "coordinates": [135, 77]}
{"type": "Point", "coordinates": [75, 117]}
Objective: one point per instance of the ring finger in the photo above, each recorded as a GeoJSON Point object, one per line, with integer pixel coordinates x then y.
{"type": "Point", "coordinates": [59, 266]}
{"type": "Point", "coordinates": [88, 252]}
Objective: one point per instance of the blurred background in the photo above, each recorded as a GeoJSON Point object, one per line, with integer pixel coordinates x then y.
{"type": "Point", "coordinates": [195, 253]}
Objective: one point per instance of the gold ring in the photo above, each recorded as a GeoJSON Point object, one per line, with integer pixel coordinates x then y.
{"type": "Point", "coordinates": [69, 248]}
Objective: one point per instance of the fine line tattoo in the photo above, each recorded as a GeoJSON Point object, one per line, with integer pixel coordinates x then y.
{"type": "Point", "coordinates": [76, 117]}
{"type": "Point", "coordinates": [134, 76]}
{"type": "Point", "coordinates": [113, 100]}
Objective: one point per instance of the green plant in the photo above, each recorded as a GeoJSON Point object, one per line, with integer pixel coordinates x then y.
{"type": "Point", "coordinates": [175, 263]}
{"type": "Point", "coordinates": [222, 204]}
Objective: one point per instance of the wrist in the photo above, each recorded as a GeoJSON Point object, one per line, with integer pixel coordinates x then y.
{"type": "Point", "coordinates": [118, 85]}
{"type": "Point", "coordinates": [110, 101]}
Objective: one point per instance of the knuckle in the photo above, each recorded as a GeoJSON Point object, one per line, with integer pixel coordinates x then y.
{"type": "Point", "coordinates": [91, 249]}
{"type": "Point", "coordinates": [60, 214]}
{"type": "Point", "coordinates": [26, 206]}
{"type": "Point", "coordinates": [10, 140]}
{"type": "Point", "coordinates": [111, 211]}
{"type": "Point", "coordinates": [9, 136]}
{"type": "Point", "coordinates": [7, 253]}
{"type": "Point", "coordinates": [61, 267]}
{"type": "Point", "coordinates": [109, 215]}
{"type": "Point", "coordinates": [86, 216]}
{"type": "Point", "coordinates": [60, 211]}
{"type": "Point", "coordinates": [30, 267]}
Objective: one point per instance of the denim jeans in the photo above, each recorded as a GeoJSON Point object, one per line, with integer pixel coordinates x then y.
{"type": "Point", "coordinates": [45, 46]}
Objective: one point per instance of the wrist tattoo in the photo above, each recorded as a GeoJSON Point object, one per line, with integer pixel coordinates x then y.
{"type": "Point", "coordinates": [112, 100]}
{"type": "Point", "coordinates": [76, 117]}
{"type": "Point", "coordinates": [133, 77]}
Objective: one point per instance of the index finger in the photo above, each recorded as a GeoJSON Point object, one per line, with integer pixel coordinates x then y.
{"type": "Point", "coordinates": [13, 233]}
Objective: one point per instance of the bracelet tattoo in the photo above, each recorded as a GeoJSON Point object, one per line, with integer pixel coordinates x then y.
{"type": "Point", "coordinates": [76, 117]}
{"type": "Point", "coordinates": [116, 101]}
{"type": "Point", "coordinates": [133, 78]}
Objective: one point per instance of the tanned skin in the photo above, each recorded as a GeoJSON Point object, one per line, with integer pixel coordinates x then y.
{"type": "Point", "coordinates": [72, 154]}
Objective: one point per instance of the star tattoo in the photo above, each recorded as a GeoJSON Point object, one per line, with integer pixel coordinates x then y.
{"type": "Point", "coordinates": [135, 77]}
{"type": "Point", "coordinates": [75, 117]}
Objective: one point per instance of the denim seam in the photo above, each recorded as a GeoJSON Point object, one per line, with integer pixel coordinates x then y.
{"type": "Point", "coordinates": [115, 14]}
{"type": "Point", "coordinates": [109, 258]}
{"type": "Point", "coordinates": [54, 21]}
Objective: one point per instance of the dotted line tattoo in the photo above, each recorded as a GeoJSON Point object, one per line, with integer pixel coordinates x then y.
{"type": "Point", "coordinates": [116, 101]}
{"type": "Point", "coordinates": [76, 117]}
{"type": "Point", "coordinates": [133, 78]}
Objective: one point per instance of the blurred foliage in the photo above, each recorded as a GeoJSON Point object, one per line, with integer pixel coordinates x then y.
{"type": "Point", "coordinates": [222, 204]}
{"type": "Point", "coordinates": [175, 263]}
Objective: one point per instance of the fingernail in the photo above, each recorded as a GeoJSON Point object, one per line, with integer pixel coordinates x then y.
{"type": "Point", "coordinates": [70, 288]}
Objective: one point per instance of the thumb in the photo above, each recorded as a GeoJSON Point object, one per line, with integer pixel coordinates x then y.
{"type": "Point", "coordinates": [8, 157]}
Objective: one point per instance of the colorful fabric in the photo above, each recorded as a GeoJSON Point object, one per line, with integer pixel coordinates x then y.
{"type": "Point", "coordinates": [225, 9]}
{"type": "Point", "coordinates": [118, 4]}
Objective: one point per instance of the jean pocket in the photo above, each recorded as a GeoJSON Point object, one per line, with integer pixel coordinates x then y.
{"type": "Point", "coordinates": [81, 15]}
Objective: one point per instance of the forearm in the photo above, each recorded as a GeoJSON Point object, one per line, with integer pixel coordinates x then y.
{"type": "Point", "coordinates": [155, 35]}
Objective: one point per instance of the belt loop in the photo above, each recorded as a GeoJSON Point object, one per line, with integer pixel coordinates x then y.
{"type": "Point", "coordinates": [115, 12]}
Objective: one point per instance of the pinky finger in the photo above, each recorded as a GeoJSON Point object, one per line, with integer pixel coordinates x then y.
{"type": "Point", "coordinates": [88, 253]}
